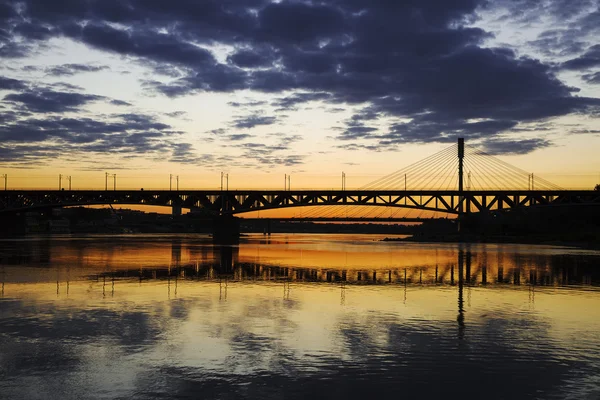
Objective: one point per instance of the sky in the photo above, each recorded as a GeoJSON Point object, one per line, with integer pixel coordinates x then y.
{"type": "Point", "coordinates": [260, 89]}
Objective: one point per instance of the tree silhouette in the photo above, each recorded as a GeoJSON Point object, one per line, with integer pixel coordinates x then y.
{"type": "Point", "coordinates": [597, 187]}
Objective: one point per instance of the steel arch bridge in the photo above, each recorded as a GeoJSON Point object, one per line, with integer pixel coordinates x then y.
{"type": "Point", "coordinates": [452, 202]}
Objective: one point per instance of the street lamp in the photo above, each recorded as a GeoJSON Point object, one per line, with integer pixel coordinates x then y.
{"type": "Point", "coordinates": [171, 181]}
{"type": "Point", "coordinates": [5, 177]}
{"type": "Point", "coordinates": [226, 176]}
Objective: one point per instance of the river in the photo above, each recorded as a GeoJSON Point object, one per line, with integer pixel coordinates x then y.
{"type": "Point", "coordinates": [296, 316]}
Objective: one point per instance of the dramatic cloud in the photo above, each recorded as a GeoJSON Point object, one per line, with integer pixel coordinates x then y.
{"type": "Point", "coordinates": [421, 69]}
{"type": "Point", "coordinates": [506, 146]}
{"type": "Point", "coordinates": [590, 59]}
{"type": "Point", "coordinates": [50, 101]}
{"type": "Point", "coordinates": [11, 84]}
{"type": "Point", "coordinates": [72, 69]}
{"type": "Point", "coordinates": [252, 121]}
{"type": "Point", "coordinates": [592, 78]}
{"type": "Point", "coordinates": [30, 141]}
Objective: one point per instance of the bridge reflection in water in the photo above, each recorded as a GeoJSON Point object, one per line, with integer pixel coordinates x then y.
{"type": "Point", "coordinates": [469, 269]}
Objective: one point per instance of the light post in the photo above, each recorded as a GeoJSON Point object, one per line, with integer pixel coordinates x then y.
{"type": "Point", "coordinates": [69, 178]}
{"type": "Point", "coordinates": [106, 181]}
{"type": "Point", "coordinates": [59, 181]}
{"type": "Point", "coordinates": [343, 180]}
{"type": "Point", "coordinates": [5, 177]}
{"type": "Point", "coordinates": [114, 181]}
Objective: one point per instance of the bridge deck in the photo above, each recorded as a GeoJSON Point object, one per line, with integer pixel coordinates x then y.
{"type": "Point", "coordinates": [241, 201]}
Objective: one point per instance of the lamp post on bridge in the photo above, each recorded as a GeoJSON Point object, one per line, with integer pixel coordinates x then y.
{"type": "Point", "coordinates": [226, 177]}
{"type": "Point", "coordinates": [176, 181]}
{"type": "Point", "coordinates": [67, 177]}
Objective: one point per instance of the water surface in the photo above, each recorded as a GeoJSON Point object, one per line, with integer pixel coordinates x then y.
{"type": "Point", "coordinates": [294, 316]}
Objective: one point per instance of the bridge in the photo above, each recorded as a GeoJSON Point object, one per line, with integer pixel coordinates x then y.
{"type": "Point", "coordinates": [234, 202]}
{"type": "Point", "coordinates": [438, 184]}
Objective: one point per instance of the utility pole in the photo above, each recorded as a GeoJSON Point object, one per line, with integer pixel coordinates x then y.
{"type": "Point", "coordinates": [405, 184]}
{"type": "Point", "coordinates": [106, 181]}
{"type": "Point", "coordinates": [284, 182]}
{"type": "Point", "coordinates": [343, 180]}
{"type": "Point", "coordinates": [221, 181]}
{"type": "Point", "coordinates": [289, 182]}
{"type": "Point", "coordinates": [5, 176]}
{"type": "Point", "coordinates": [177, 182]}
{"type": "Point", "coordinates": [170, 182]}
{"type": "Point", "coordinates": [59, 181]}
{"type": "Point", "coordinates": [227, 180]}
{"type": "Point", "coordinates": [114, 176]}
{"type": "Point", "coordinates": [69, 178]}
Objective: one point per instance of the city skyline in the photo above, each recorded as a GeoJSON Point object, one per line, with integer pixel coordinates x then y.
{"type": "Point", "coordinates": [261, 90]}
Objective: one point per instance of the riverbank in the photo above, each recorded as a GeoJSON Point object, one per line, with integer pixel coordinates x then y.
{"type": "Point", "coordinates": [585, 240]}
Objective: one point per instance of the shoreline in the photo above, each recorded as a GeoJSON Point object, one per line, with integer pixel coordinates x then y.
{"type": "Point", "coordinates": [593, 244]}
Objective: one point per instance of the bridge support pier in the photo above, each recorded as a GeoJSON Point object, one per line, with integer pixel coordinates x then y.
{"type": "Point", "coordinates": [226, 230]}
{"type": "Point", "coordinates": [176, 211]}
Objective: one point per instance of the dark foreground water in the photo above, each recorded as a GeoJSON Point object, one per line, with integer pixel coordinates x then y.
{"type": "Point", "coordinates": [296, 316]}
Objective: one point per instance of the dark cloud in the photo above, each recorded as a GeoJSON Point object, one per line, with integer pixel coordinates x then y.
{"type": "Point", "coordinates": [176, 114]}
{"type": "Point", "coordinates": [247, 103]}
{"type": "Point", "coordinates": [253, 57]}
{"type": "Point", "coordinates": [238, 136]}
{"type": "Point", "coordinates": [426, 129]}
{"type": "Point", "coordinates": [252, 121]}
{"type": "Point", "coordinates": [50, 101]}
{"type": "Point", "coordinates": [184, 153]}
{"type": "Point", "coordinates": [72, 69]}
{"type": "Point", "coordinates": [12, 84]}
{"type": "Point", "coordinates": [507, 146]}
{"type": "Point", "coordinates": [559, 42]}
{"type": "Point", "coordinates": [290, 102]}
{"type": "Point", "coordinates": [357, 131]}
{"type": "Point", "coordinates": [592, 78]}
{"type": "Point", "coordinates": [297, 22]}
{"type": "Point", "coordinates": [145, 43]}
{"type": "Point", "coordinates": [116, 102]}
{"type": "Point", "coordinates": [418, 61]}
{"type": "Point", "coordinates": [32, 140]}
{"type": "Point", "coordinates": [590, 59]}
{"type": "Point", "coordinates": [267, 154]}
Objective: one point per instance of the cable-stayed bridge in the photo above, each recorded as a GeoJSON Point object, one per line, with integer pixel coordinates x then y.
{"type": "Point", "coordinates": [455, 181]}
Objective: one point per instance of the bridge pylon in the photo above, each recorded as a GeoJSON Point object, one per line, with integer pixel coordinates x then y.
{"type": "Point", "coordinates": [461, 197]}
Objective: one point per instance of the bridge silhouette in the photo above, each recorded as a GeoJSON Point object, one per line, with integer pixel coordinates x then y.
{"type": "Point", "coordinates": [438, 184]}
